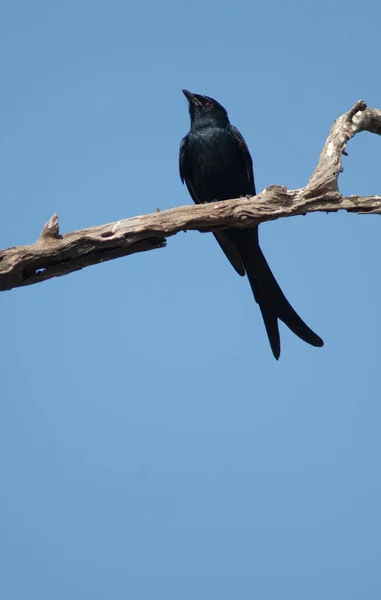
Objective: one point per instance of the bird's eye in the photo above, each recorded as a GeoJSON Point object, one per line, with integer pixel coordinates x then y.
{"type": "Point", "coordinates": [208, 104]}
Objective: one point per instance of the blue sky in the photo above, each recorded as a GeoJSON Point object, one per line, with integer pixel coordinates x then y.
{"type": "Point", "coordinates": [151, 447]}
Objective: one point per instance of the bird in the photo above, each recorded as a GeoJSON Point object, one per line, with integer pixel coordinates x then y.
{"type": "Point", "coordinates": [215, 164]}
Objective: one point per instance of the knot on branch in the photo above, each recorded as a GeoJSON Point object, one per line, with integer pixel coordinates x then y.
{"type": "Point", "coordinates": [51, 229]}
{"type": "Point", "coordinates": [280, 196]}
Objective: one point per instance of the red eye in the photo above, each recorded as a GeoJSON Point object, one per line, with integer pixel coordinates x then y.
{"type": "Point", "coordinates": [208, 104]}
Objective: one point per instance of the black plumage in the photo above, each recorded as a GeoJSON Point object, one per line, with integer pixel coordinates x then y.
{"type": "Point", "coordinates": [215, 164]}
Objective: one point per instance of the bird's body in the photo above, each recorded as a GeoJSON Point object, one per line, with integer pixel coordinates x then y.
{"type": "Point", "coordinates": [218, 170]}
{"type": "Point", "coordinates": [215, 164]}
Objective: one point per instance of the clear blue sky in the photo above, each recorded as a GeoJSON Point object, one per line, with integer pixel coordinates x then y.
{"type": "Point", "coordinates": [151, 447]}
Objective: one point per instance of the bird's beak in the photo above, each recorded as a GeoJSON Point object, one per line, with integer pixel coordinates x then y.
{"type": "Point", "coordinates": [192, 98]}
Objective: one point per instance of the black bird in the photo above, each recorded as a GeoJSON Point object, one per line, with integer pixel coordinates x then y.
{"type": "Point", "coordinates": [215, 164]}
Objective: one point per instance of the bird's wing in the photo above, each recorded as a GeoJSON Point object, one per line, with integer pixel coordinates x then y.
{"type": "Point", "coordinates": [226, 245]}
{"type": "Point", "coordinates": [245, 155]}
{"type": "Point", "coordinates": [182, 158]}
{"type": "Point", "coordinates": [230, 252]}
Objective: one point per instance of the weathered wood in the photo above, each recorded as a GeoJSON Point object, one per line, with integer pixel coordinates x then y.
{"type": "Point", "coordinates": [53, 255]}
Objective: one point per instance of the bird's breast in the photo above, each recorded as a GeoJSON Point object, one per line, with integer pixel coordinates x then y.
{"type": "Point", "coordinates": [218, 167]}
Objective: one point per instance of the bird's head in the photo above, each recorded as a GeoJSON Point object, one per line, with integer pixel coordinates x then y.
{"type": "Point", "coordinates": [205, 111]}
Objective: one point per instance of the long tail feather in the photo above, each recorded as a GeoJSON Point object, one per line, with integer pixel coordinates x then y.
{"type": "Point", "coordinates": [268, 294]}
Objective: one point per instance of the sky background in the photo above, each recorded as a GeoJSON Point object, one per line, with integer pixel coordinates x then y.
{"type": "Point", "coordinates": [150, 445]}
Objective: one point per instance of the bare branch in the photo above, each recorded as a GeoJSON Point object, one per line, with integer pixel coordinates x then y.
{"type": "Point", "coordinates": [54, 255]}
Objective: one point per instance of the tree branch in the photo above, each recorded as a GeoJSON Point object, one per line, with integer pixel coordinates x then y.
{"type": "Point", "coordinates": [53, 255]}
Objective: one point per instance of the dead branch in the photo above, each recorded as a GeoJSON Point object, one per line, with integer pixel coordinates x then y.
{"type": "Point", "coordinates": [53, 255]}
